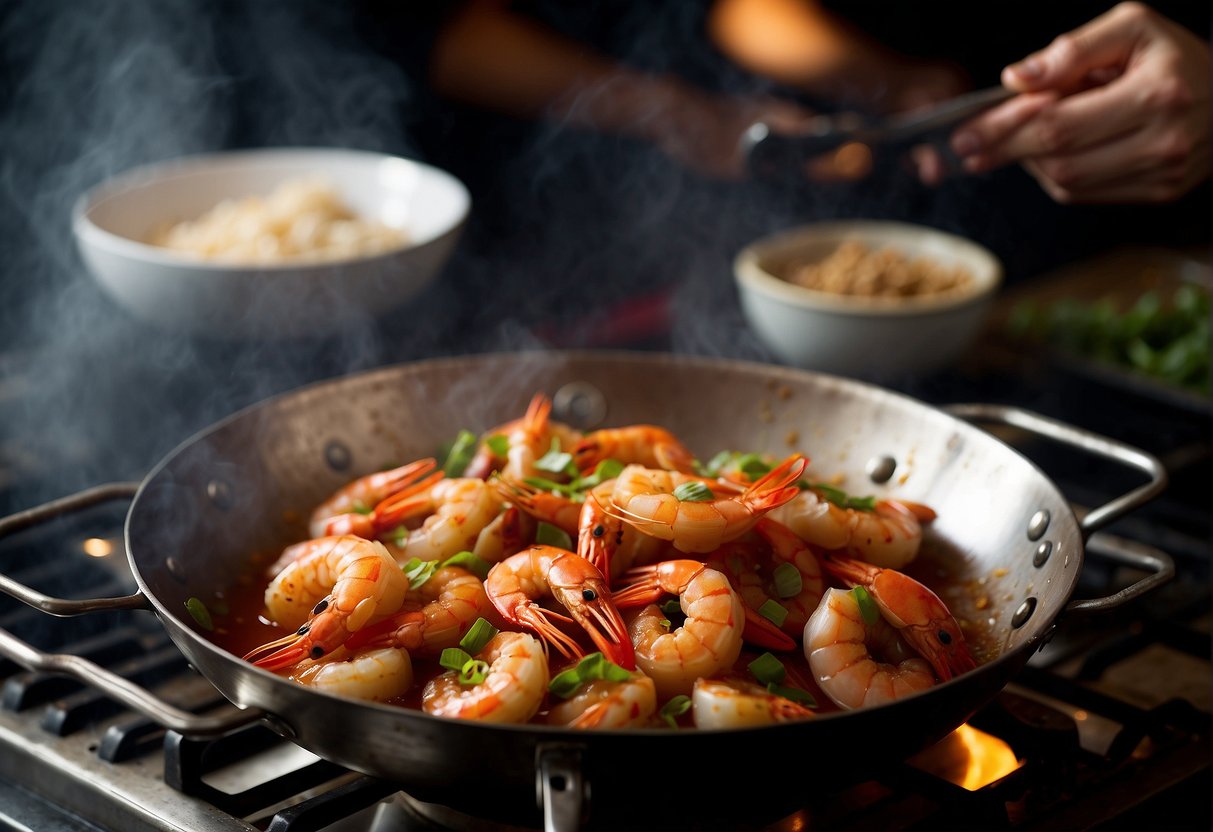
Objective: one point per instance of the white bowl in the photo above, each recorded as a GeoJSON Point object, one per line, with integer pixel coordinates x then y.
{"type": "Point", "coordinates": [283, 300]}
{"type": "Point", "coordinates": [865, 337]}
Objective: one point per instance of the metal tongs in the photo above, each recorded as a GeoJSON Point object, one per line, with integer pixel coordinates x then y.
{"type": "Point", "coordinates": [768, 153]}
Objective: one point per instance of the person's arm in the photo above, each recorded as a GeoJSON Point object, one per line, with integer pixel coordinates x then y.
{"type": "Point", "coordinates": [802, 45]}
{"type": "Point", "coordinates": [493, 58]}
{"type": "Point", "coordinates": [1117, 111]}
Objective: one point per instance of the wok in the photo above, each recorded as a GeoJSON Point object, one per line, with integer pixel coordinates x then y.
{"type": "Point", "coordinates": [234, 488]}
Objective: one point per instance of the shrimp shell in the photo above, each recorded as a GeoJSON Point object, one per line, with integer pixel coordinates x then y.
{"type": "Point", "coordinates": [375, 675]}
{"type": "Point", "coordinates": [605, 704]}
{"type": "Point", "coordinates": [735, 703]}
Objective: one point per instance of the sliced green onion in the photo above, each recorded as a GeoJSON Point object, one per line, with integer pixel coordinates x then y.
{"type": "Point", "coordinates": [548, 535]}
{"type": "Point", "coordinates": [773, 611]}
{"type": "Point", "coordinates": [672, 607]}
{"type": "Point", "coordinates": [477, 636]}
{"type": "Point", "coordinates": [797, 695]}
{"type": "Point", "coordinates": [360, 507]}
{"type": "Point", "coordinates": [867, 607]}
{"type": "Point", "coordinates": [675, 708]}
{"type": "Point", "coordinates": [453, 658]}
{"type": "Point", "coordinates": [693, 492]}
{"type": "Point", "coordinates": [200, 613]}
{"type": "Point", "coordinates": [788, 581]}
{"type": "Point", "coordinates": [753, 466]}
{"type": "Point", "coordinates": [714, 465]}
{"type": "Point", "coordinates": [592, 667]}
{"type": "Point", "coordinates": [419, 571]}
{"type": "Point", "coordinates": [499, 444]}
{"type": "Point", "coordinates": [469, 561]}
{"type": "Point", "coordinates": [560, 489]}
{"type": "Point", "coordinates": [768, 669]}
{"type": "Point", "coordinates": [460, 455]}
{"type": "Point", "coordinates": [842, 499]}
{"type": "Point", "coordinates": [608, 469]}
{"type": "Point", "coordinates": [397, 536]}
{"type": "Point", "coordinates": [557, 461]}
{"type": "Point", "coordinates": [473, 672]}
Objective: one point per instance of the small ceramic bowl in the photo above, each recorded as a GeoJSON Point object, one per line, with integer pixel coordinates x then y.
{"type": "Point", "coordinates": [183, 293]}
{"type": "Point", "coordinates": [865, 337]}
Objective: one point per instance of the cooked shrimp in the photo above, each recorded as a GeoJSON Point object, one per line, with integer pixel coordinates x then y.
{"type": "Point", "coordinates": [333, 589]}
{"type": "Point", "coordinates": [752, 574]}
{"type": "Point", "coordinates": [505, 535]}
{"type": "Point", "coordinates": [890, 536]}
{"type": "Point", "coordinates": [512, 690]}
{"type": "Point", "coordinates": [433, 617]}
{"type": "Point", "coordinates": [708, 642]}
{"type": "Point", "coordinates": [644, 498]}
{"type": "Point", "coordinates": [486, 462]}
{"type": "Point", "coordinates": [530, 438]}
{"type": "Point", "coordinates": [919, 615]}
{"type": "Point", "coordinates": [736, 703]}
{"type": "Point", "coordinates": [647, 445]}
{"type": "Point", "coordinates": [605, 704]}
{"type": "Point", "coordinates": [515, 585]}
{"type": "Point", "coordinates": [858, 664]}
{"type": "Point", "coordinates": [458, 511]}
{"type": "Point", "coordinates": [359, 498]}
{"type": "Point", "coordinates": [373, 675]}
{"type": "Point", "coordinates": [561, 512]}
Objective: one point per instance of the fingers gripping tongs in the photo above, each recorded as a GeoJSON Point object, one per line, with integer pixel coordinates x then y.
{"type": "Point", "coordinates": [768, 153]}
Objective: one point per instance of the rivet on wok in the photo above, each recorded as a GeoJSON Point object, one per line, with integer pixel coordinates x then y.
{"type": "Point", "coordinates": [1039, 524]}
{"type": "Point", "coordinates": [1042, 553]}
{"type": "Point", "coordinates": [219, 493]}
{"type": "Point", "coordinates": [1024, 612]}
{"type": "Point", "coordinates": [337, 455]}
{"type": "Point", "coordinates": [175, 568]}
{"type": "Point", "coordinates": [881, 468]}
{"type": "Point", "coordinates": [580, 404]}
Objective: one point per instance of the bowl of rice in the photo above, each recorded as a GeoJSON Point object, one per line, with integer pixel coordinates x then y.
{"type": "Point", "coordinates": [271, 243]}
{"type": "Point", "coordinates": [866, 298]}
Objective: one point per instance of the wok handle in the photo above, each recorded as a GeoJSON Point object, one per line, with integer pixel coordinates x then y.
{"type": "Point", "coordinates": [1082, 440]}
{"type": "Point", "coordinates": [1129, 553]}
{"type": "Point", "coordinates": [111, 684]}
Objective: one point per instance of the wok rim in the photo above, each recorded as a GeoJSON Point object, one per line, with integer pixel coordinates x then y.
{"type": "Point", "coordinates": [1007, 662]}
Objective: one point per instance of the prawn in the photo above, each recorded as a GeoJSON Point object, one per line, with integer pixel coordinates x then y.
{"type": "Point", "coordinates": [335, 587]}
{"type": "Point", "coordinates": [512, 690]}
{"type": "Point", "coordinates": [647, 445]}
{"type": "Point", "coordinates": [516, 583]}
{"type": "Point", "coordinates": [433, 617]}
{"type": "Point", "coordinates": [606, 704]}
{"type": "Point", "coordinates": [458, 511]}
{"type": "Point", "coordinates": [505, 535]}
{"type": "Point", "coordinates": [561, 512]}
{"type": "Point", "coordinates": [736, 703]}
{"type": "Point", "coordinates": [919, 615]}
{"type": "Point", "coordinates": [350, 509]}
{"type": "Point", "coordinates": [372, 675]}
{"type": "Point", "coordinates": [644, 498]}
{"type": "Point", "coordinates": [529, 438]}
{"type": "Point", "coordinates": [752, 573]}
{"type": "Point", "coordinates": [486, 461]}
{"type": "Point", "coordinates": [708, 642]}
{"type": "Point", "coordinates": [889, 536]}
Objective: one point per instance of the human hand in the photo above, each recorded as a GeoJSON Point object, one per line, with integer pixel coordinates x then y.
{"type": "Point", "coordinates": [1116, 111]}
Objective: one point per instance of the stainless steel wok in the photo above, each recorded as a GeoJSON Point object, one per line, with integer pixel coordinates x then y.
{"type": "Point", "coordinates": [229, 490]}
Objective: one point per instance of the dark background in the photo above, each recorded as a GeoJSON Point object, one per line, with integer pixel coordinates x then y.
{"type": "Point", "coordinates": [565, 225]}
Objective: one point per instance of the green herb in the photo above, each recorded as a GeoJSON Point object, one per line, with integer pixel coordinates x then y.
{"type": "Point", "coordinates": [499, 444]}
{"type": "Point", "coordinates": [753, 466]}
{"type": "Point", "coordinates": [841, 499]}
{"type": "Point", "coordinates": [575, 489]}
{"type": "Point", "coordinates": [675, 708]}
{"type": "Point", "coordinates": [592, 667]}
{"type": "Point", "coordinates": [867, 607]}
{"type": "Point", "coordinates": [470, 562]}
{"type": "Point", "coordinates": [773, 611]}
{"type": "Point", "coordinates": [398, 536]}
{"type": "Point", "coordinates": [693, 492]}
{"type": "Point", "coordinates": [360, 507]}
{"type": "Point", "coordinates": [419, 571]}
{"type": "Point", "coordinates": [608, 469]}
{"type": "Point", "coordinates": [768, 669]}
{"type": "Point", "coordinates": [478, 635]}
{"type": "Point", "coordinates": [200, 613]}
{"type": "Point", "coordinates": [672, 607]}
{"type": "Point", "coordinates": [798, 695]}
{"type": "Point", "coordinates": [473, 672]}
{"type": "Point", "coordinates": [548, 535]}
{"type": "Point", "coordinates": [460, 455]}
{"type": "Point", "coordinates": [788, 581]}
{"type": "Point", "coordinates": [568, 490]}
{"type": "Point", "coordinates": [556, 461]}
{"type": "Point", "coordinates": [453, 658]}
{"type": "Point", "coordinates": [715, 464]}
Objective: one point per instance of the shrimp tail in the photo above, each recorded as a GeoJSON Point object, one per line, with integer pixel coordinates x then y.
{"type": "Point", "coordinates": [777, 486]}
{"type": "Point", "coordinates": [406, 504]}
{"type": "Point", "coordinates": [922, 513]}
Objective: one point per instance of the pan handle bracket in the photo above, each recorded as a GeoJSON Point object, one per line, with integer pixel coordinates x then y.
{"type": "Point", "coordinates": [562, 791]}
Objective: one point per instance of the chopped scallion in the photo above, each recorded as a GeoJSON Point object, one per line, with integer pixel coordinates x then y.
{"type": "Point", "coordinates": [693, 492]}
{"type": "Point", "coordinates": [773, 611]}
{"type": "Point", "coordinates": [867, 606]}
{"type": "Point", "coordinates": [200, 613]}
{"type": "Point", "coordinates": [675, 708]}
{"type": "Point", "coordinates": [499, 444]}
{"type": "Point", "coordinates": [548, 535]}
{"type": "Point", "coordinates": [478, 635]}
{"type": "Point", "coordinates": [593, 667]}
{"type": "Point", "coordinates": [768, 669]}
{"type": "Point", "coordinates": [460, 455]}
{"type": "Point", "coordinates": [470, 562]}
{"type": "Point", "coordinates": [556, 461]}
{"type": "Point", "coordinates": [788, 581]}
{"type": "Point", "coordinates": [453, 658]}
{"type": "Point", "coordinates": [473, 672]}
{"type": "Point", "coordinates": [419, 571]}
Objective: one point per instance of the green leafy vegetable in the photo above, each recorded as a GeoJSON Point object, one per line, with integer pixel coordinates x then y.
{"type": "Point", "coordinates": [693, 492]}
{"type": "Point", "coordinates": [675, 708]}
{"type": "Point", "coordinates": [419, 571]}
{"type": "Point", "coordinates": [788, 581]}
{"type": "Point", "coordinates": [575, 489]}
{"type": "Point", "coordinates": [478, 635]}
{"type": "Point", "coordinates": [592, 667]}
{"type": "Point", "coordinates": [556, 461]}
{"type": "Point", "coordinates": [842, 499]}
{"type": "Point", "coordinates": [200, 613]}
{"type": "Point", "coordinates": [399, 535]}
{"type": "Point", "coordinates": [460, 455]}
{"type": "Point", "coordinates": [548, 535]}
{"type": "Point", "coordinates": [453, 658]}
{"type": "Point", "coordinates": [470, 562]}
{"type": "Point", "coordinates": [867, 607]}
